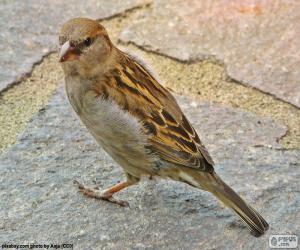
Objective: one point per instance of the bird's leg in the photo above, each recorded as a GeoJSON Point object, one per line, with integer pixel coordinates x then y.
{"type": "Point", "coordinates": [106, 194]}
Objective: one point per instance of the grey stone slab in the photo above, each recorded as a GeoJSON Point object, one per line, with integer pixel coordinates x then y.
{"type": "Point", "coordinates": [40, 204]}
{"type": "Point", "coordinates": [257, 40]}
{"type": "Point", "coordinates": [29, 29]}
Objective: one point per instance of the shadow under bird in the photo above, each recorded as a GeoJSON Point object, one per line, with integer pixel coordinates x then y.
{"type": "Point", "coordinates": [136, 120]}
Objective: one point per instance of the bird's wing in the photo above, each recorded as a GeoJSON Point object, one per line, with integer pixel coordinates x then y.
{"type": "Point", "coordinates": [172, 137]}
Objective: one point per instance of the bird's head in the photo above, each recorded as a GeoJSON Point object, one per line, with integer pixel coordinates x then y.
{"type": "Point", "coordinates": [84, 46]}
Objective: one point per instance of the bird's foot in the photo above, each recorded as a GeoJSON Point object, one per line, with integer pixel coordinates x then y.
{"type": "Point", "coordinates": [105, 194]}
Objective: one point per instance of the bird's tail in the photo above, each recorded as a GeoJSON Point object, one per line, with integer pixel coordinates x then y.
{"type": "Point", "coordinates": [214, 184]}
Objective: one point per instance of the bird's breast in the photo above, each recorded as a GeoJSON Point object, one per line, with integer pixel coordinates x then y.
{"type": "Point", "coordinates": [116, 130]}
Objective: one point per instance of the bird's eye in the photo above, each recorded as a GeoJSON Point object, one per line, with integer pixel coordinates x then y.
{"type": "Point", "coordinates": [87, 41]}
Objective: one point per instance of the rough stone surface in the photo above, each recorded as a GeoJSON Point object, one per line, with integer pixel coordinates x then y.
{"type": "Point", "coordinates": [29, 29]}
{"type": "Point", "coordinates": [257, 40]}
{"type": "Point", "coordinates": [40, 204]}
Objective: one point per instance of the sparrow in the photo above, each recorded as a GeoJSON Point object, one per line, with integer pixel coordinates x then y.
{"type": "Point", "coordinates": [136, 120]}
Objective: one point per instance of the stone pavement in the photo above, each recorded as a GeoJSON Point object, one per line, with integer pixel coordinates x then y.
{"type": "Point", "coordinates": [40, 204]}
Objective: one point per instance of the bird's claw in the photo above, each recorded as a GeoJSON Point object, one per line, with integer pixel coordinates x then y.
{"type": "Point", "coordinates": [104, 195]}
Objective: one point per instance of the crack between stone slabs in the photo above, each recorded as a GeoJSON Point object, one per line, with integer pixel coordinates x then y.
{"type": "Point", "coordinates": [27, 74]}
{"type": "Point", "coordinates": [147, 49]}
{"type": "Point", "coordinates": [260, 90]}
{"type": "Point", "coordinates": [126, 12]}
{"type": "Point", "coordinates": [205, 58]}
{"type": "Point", "coordinates": [286, 149]}
{"type": "Point", "coordinates": [286, 133]}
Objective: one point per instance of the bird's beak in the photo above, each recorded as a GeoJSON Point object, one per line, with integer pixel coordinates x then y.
{"type": "Point", "coordinates": [68, 53]}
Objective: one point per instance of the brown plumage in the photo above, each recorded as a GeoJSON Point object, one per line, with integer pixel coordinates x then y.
{"type": "Point", "coordinates": [135, 119]}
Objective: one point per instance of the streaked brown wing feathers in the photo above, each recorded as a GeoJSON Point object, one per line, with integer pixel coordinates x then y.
{"type": "Point", "coordinates": [171, 136]}
{"type": "Point", "coordinates": [176, 144]}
